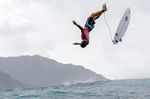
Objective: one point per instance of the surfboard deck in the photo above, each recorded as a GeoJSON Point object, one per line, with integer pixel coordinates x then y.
{"type": "Point", "coordinates": [122, 27]}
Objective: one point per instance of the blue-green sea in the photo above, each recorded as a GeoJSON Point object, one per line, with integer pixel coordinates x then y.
{"type": "Point", "coordinates": [116, 89]}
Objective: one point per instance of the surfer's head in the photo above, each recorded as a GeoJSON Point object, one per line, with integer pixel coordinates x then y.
{"type": "Point", "coordinates": [83, 44]}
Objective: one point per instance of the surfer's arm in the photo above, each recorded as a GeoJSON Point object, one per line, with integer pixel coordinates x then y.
{"type": "Point", "coordinates": [79, 26]}
{"type": "Point", "coordinates": [76, 43]}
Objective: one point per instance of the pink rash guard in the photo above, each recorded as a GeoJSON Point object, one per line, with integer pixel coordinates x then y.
{"type": "Point", "coordinates": [85, 34]}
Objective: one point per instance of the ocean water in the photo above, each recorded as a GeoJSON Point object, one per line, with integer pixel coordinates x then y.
{"type": "Point", "coordinates": [117, 89]}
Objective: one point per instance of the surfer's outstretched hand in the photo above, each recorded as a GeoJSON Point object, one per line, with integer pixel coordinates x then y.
{"type": "Point", "coordinates": [74, 22]}
{"type": "Point", "coordinates": [76, 43]}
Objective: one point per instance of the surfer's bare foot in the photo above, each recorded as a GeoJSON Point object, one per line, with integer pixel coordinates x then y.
{"type": "Point", "coordinates": [104, 7]}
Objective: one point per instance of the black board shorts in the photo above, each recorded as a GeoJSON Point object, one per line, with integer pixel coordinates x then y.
{"type": "Point", "coordinates": [90, 23]}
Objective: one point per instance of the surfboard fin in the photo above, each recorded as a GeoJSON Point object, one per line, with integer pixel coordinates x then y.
{"type": "Point", "coordinates": [120, 40]}
{"type": "Point", "coordinates": [116, 34]}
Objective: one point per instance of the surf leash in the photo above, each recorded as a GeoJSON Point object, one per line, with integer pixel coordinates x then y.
{"type": "Point", "coordinates": [108, 27]}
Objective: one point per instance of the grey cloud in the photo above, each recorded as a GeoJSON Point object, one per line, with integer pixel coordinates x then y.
{"type": "Point", "coordinates": [143, 5]}
{"type": "Point", "coordinates": [8, 29]}
{"type": "Point", "coordinates": [13, 21]}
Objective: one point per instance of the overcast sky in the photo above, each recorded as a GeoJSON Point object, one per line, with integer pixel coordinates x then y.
{"type": "Point", "coordinates": [44, 27]}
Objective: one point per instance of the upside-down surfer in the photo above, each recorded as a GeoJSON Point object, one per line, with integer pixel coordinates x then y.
{"type": "Point", "coordinates": [89, 25]}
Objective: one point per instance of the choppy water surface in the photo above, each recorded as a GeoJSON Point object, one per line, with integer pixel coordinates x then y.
{"type": "Point", "coordinates": [121, 89]}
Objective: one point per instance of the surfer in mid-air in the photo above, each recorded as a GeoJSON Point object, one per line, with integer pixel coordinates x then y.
{"type": "Point", "coordinates": [89, 25]}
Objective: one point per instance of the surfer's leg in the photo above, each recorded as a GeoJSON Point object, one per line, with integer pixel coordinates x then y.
{"type": "Point", "coordinates": [97, 14]}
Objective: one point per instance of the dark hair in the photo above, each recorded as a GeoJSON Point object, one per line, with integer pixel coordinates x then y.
{"type": "Point", "coordinates": [83, 44]}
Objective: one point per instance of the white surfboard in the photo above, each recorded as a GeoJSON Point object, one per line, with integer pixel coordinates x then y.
{"type": "Point", "coordinates": [122, 27]}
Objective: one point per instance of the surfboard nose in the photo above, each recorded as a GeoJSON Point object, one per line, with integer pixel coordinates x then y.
{"type": "Point", "coordinates": [128, 9]}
